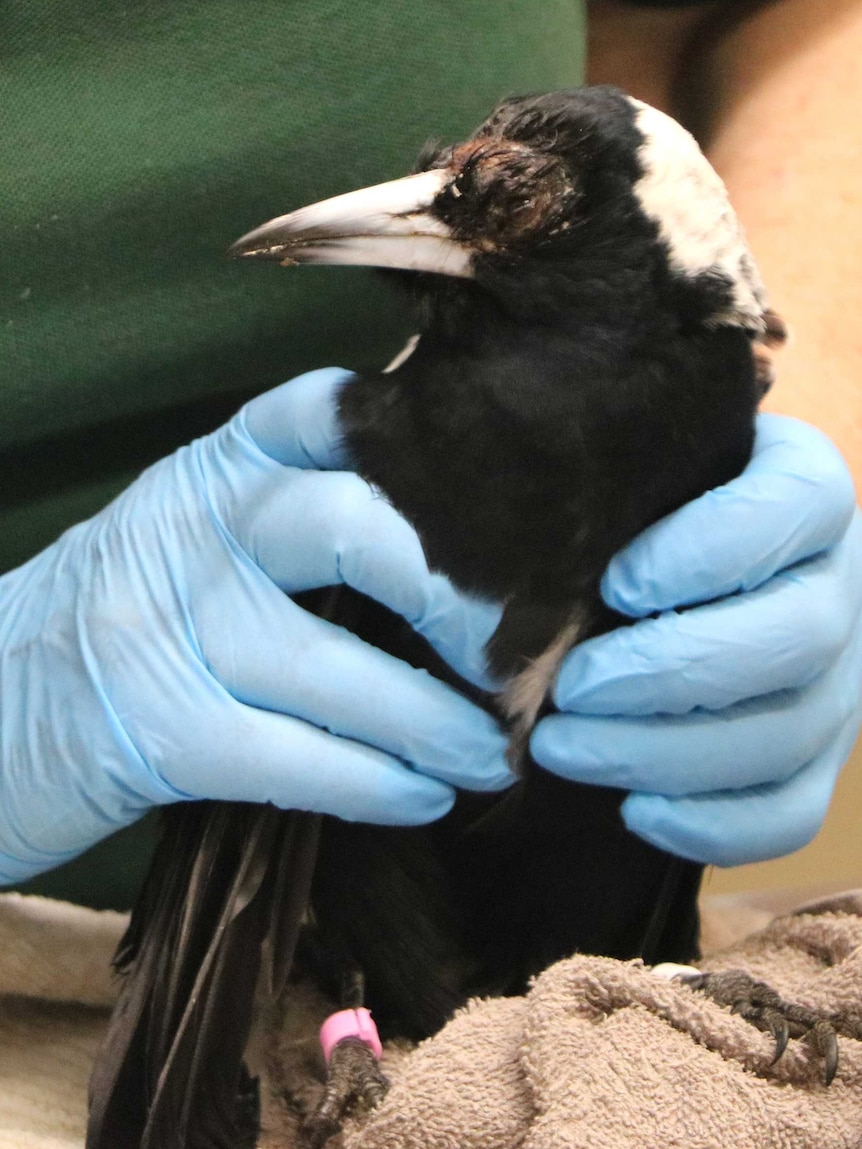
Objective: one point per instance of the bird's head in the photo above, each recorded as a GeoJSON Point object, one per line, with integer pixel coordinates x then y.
{"type": "Point", "coordinates": [571, 186]}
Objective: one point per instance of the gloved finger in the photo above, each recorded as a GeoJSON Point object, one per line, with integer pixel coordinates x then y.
{"type": "Point", "coordinates": [14, 870]}
{"type": "Point", "coordinates": [780, 636]}
{"type": "Point", "coordinates": [316, 529]}
{"type": "Point", "coordinates": [256, 756]}
{"type": "Point", "coordinates": [758, 741]}
{"type": "Point", "coordinates": [794, 499]}
{"type": "Point", "coordinates": [63, 830]}
{"type": "Point", "coordinates": [269, 653]}
{"type": "Point", "coordinates": [308, 529]}
{"type": "Point", "coordinates": [296, 424]}
{"type": "Point", "coordinates": [732, 828]}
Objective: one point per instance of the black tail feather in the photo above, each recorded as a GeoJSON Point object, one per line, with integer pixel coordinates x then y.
{"type": "Point", "coordinates": [298, 853]}
{"type": "Point", "coordinates": [170, 1074]}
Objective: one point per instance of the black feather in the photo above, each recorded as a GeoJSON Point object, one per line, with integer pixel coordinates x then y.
{"type": "Point", "coordinates": [170, 1074]}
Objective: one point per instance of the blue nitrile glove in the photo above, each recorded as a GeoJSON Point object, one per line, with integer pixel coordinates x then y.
{"type": "Point", "coordinates": [151, 654]}
{"type": "Point", "coordinates": [729, 721]}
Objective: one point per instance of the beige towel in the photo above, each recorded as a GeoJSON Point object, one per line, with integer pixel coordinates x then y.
{"type": "Point", "coordinates": [605, 1055]}
{"type": "Point", "coordinates": [54, 976]}
{"type": "Point", "coordinates": [599, 1053]}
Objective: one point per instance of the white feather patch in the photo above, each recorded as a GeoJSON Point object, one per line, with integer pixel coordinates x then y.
{"type": "Point", "coordinates": [403, 355]}
{"type": "Point", "coordinates": [684, 195]}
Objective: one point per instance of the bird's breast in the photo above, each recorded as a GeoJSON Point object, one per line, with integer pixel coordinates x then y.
{"type": "Point", "coordinates": [490, 505]}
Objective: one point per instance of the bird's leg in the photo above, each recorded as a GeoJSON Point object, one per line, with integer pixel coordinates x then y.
{"type": "Point", "coordinates": [353, 1079]}
{"type": "Point", "coordinates": [760, 1005]}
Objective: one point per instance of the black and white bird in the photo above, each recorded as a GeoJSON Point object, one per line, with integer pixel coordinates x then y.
{"type": "Point", "coordinates": [589, 357]}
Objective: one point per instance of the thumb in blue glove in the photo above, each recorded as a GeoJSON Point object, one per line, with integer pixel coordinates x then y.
{"type": "Point", "coordinates": [730, 721]}
{"type": "Point", "coordinates": [153, 653]}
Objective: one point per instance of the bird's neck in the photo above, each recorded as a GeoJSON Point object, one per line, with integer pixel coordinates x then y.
{"type": "Point", "coordinates": [501, 437]}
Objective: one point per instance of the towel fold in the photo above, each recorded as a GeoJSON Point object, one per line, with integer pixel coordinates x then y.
{"type": "Point", "coordinates": [605, 1055]}
{"type": "Point", "coordinates": [598, 1053]}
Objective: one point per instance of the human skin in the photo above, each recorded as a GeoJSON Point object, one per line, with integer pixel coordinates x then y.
{"type": "Point", "coordinates": [773, 91]}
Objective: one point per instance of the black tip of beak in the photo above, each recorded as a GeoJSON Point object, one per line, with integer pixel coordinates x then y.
{"type": "Point", "coordinates": [236, 250]}
{"type": "Point", "coordinates": [254, 246]}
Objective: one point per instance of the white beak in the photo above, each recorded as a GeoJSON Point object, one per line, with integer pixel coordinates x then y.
{"type": "Point", "coordinates": [388, 225]}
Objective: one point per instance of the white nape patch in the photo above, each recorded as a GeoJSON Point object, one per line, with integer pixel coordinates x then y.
{"type": "Point", "coordinates": [403, 355]}
{"type": "Point", "coordinates": [670, 971]}
{"type": "Point", "coordinates": [684, 195]}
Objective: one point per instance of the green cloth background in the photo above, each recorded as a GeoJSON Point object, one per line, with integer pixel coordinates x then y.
{"type": "Point", "coordinates": [140, 139]}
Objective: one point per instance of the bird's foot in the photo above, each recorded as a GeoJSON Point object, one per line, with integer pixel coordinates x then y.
{"type": "Point", "coordinates": [354, 1081]}
{"type": "Point", "coordinates": [760, 1005]}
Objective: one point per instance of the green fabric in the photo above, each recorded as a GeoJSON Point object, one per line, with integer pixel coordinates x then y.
{"type": "Point", "coordinates": [140, 139]}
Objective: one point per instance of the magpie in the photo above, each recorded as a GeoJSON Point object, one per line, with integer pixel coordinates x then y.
{"type": "Point", "coordinates": [593, 342]}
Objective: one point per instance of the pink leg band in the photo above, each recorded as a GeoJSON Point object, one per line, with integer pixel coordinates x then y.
{"type": "Point", "coordinates": [350, 1023]}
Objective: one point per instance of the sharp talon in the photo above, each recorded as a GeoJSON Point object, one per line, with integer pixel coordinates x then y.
{"type": "Point", "coordinates": [823, 1039]}
{"type": "Point", "coordinates": [779, 1029]}
{"type": "Point", "coordinates": [830, 1057]}
{"type": "Point", "coordinates": [761, 1006]}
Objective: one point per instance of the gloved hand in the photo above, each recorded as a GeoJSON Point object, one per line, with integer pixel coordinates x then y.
{"type": "Point", "coordinates": [728, 721]}
{"type": "Point", "coordinates": [151, 654]}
